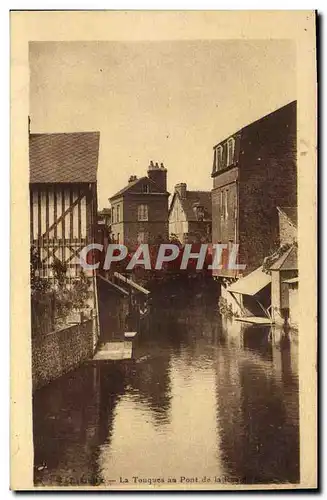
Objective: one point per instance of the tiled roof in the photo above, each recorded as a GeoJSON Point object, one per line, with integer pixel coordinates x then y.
{"type": "Point", "coordinates": [193, 198]}
{"type": "Point", "coordinates": [132, 184]}
{"type": "Point", "coordinates": [127, 188]}
{"type": "Point", "coordinates": [287, 262]}
{"type": "Point", "coordinates": [291, 214]}
{"type": "Point", "coordinates": [66, 157]}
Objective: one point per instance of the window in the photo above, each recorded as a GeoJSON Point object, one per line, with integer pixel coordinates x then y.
{"type": "Point", "coordinates": [113, 215]}
{"type": "Point", "coordinates": [142, 237]}
{"type": "Point", "coordinates": [142, 212]}
{"type": "Point", "coordinates": [118, 213]}
{"type": "Point", "coordinates": [145, 188]}
{"type": "Point", "coordinates": [230, 151]}
{"type": "Point", "coordinates": [226, 204]}
{"type": "Point", "coordinates": [118, 237]}
{"type": "Point", "coordinates": [218, 158]}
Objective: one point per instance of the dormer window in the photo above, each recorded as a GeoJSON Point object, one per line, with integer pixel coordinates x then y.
{"type": "Point", "coordinates": [145, 188]}
{"type": "Point", "coordinates": [230, 151]}
{"type": "Point", "coordinates": [218, 158]}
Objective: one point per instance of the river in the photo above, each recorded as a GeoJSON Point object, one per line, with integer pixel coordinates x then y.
{"type": "Point", "coordinates": [205, 400]}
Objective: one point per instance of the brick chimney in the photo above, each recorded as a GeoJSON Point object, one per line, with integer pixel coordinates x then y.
{"type": "Point", "coordinates": [158, 174]}
{"type": "Point", "coordinates": [181, 190]}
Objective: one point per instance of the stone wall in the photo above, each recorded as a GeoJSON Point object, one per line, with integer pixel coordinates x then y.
{"type": "Point", "coordinates": [60, 351]}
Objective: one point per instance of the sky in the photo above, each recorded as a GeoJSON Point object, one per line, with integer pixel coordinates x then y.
{"type": "Point", "coordinates": [169, 102]}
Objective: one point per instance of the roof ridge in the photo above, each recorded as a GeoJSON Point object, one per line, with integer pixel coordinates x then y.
{"type": "Point", "coordinates": [65, 133]}
{"type": "Point", "coordinates": [133, 183]}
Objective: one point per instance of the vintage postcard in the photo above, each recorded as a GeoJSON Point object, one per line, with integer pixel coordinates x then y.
{"type": "Point", "coordinates": [163, 250]}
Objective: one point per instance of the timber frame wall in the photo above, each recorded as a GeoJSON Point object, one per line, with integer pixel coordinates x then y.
{"type": "Point", "coordinates": [62, 222]}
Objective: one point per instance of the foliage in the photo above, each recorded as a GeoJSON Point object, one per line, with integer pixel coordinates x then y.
{"type": "Point", "coordinates": [173, 238]}
{"type": "Point", "coordinates": [69, 296]}
{"type": "Point", "coordinates": [54, 300]}
{"type": "Point", "coordinates": [226, 309]}
{"type": "Point", "coordinates": [38, 285]}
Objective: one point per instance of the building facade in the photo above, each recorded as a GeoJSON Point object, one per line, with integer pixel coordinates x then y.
{"type": "Point", "coordinates": [283, 268]}
{"type": "Point", "coordinates": [190, 215]}
{"type": "Point", "coordinates": [63, 197]}
{"type": "Point", "coordinates": [254, 171]}
{"type": "Point", "coordinates": [139, 211]}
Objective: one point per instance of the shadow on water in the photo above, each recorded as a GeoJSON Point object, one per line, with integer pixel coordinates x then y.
{"type": "Point", "coordinates": [202, 396]}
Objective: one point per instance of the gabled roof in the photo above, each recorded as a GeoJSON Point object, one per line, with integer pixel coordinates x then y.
{"type": "Point", "coordinates": [64, 158]}
{"type": "Point", "coordinates": [291, 214]}
{"type": "Point", "coordinates": [132, 185]}
{"type": "Point", "coordinates": [193, 198]}
{"type": "Point", "coordinates": [287, 261]}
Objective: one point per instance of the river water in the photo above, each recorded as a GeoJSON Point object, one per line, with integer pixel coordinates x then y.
{"type": "Point", "coordinates": [204, 400]}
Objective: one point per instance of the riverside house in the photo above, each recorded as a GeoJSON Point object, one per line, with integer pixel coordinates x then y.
{"type": "Point", "coordinates": [140, 210]}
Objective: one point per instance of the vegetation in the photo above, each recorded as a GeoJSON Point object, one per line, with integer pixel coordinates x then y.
{"type": "Point", "coordinates": [226, 309]}
{"type": "Point", "coordinates": [52, 301]}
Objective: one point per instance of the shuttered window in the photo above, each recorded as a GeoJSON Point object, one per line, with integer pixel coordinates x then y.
{"type": "Point", "coordinates": [142, 213]}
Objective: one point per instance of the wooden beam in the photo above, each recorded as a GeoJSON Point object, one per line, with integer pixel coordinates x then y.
{"type": "Point", "coordinates": [63, 215]}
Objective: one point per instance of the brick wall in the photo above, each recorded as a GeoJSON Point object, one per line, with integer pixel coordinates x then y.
{"type": "Point", "coordinates": [59, 352]}
{"type": "Point", "coordinates": [267, 179]}
{"type": "Point", "coordinates": [199, 231]}
{"type": "Point", "coordinates": [225, 230]}
{"type": "Point", "coordinates": [157, 224]}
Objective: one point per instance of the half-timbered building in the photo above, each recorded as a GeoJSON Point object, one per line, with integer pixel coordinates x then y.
{"type": "Point", "coordinates": [63, 197]}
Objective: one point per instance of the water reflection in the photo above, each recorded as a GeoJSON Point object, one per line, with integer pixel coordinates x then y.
{"type": "Point", "coordinates": [258, 414]}
{"type": "Point", "coordinates": [203, 396]}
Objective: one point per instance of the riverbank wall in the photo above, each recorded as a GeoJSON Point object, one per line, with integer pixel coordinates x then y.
{"type": "Point", "coordinates": [60, 351]}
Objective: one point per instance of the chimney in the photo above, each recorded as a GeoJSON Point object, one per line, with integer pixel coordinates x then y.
{"type": "Point", "coordinates": [132, 178]}
{"type": "Point", "coordinates": [158, 175]}
{"type": "Point", "coordinates": [181, 190]}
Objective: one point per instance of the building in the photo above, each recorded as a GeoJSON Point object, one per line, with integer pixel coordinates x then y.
{"type": "Point", "coordinates": [103, 229]}
{"type": "Point", "coordinates": [190, 215]}
{"type": "Point", "coordinates": [254, 171]}
{"type": "Point", "coordinates": [282, 265]}
{"type": "Point", "coordinates": [104, 217]}
{"type": "Point", "coordinates": [139, 211]}
{"type": "Point", "coordinates": [270, 293]}
{"type": "Point", "coordinates": [63, 197]}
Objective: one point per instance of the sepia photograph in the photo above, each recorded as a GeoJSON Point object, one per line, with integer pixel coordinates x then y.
{"type": "Point", "coordinates": [163, 201]}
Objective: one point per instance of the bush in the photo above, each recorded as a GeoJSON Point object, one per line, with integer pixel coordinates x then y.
{"type": "Point", "coordinates": [53, 301]}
